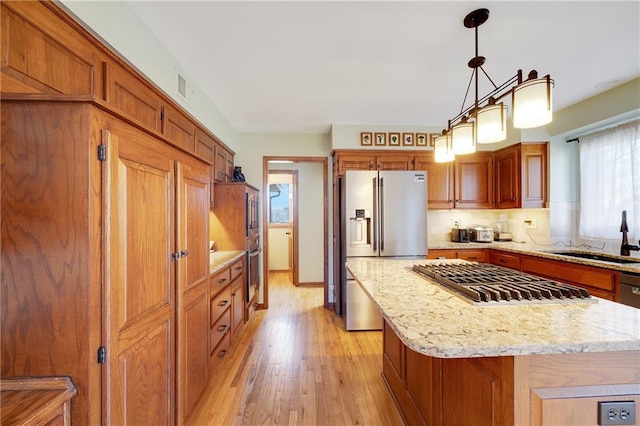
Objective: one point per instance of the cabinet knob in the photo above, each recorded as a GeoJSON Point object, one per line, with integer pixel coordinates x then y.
{"type": "Point", "coordinates": [175, 256]}
{"type": "Point", "coordinates": [184, 253]}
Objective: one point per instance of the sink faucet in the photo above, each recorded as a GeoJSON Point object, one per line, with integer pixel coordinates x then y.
{"type": "Point", "coordinates": [625, 248]}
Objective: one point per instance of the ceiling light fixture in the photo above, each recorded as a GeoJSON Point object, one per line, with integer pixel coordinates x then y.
{"type": "Point", "coordinates": [485, 121]}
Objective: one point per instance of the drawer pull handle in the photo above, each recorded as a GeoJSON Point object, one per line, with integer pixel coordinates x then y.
{"type": "Point", "coordinates": [222, 353]}
{"type": "Point", "coordinates": [473, 257]}
{"type": "Point", "coordinates": [238, 268]}
{"type": "Point", "coordinates": [222, 280]}
{"type": "Point", "coordinates": [223, 303]}
{"type": "Point", "coordinates": [223, 328]}
{"type": "Point", "coordinates": [502, 261]}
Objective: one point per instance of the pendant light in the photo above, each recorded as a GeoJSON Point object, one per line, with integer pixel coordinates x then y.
{"type": "Point", "coordinates": [463, 137]}
{"type": "Point", "coordinates": [491, 123]}
{"type": "Point", "coordinates": [532, 102]}
{"type": "Point", "coordinates": [442, 149]}
{"type": "Point", "coordinates": [485, 120]}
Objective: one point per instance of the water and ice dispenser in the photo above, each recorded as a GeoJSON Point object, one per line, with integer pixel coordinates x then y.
{"type": "Point", "coordinates": [359, 228]}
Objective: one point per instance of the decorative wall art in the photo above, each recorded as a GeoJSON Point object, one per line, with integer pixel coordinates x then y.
{"type": "Point", "coordinates": [407, 139]}
{"type": "Point", "coordinates": [380, 139]}
{"type": "Point", "coordinates": [366, 139]}
{"type": "Point", "coordinates": [394, 139]}
{"type": "Point", "coordinates": [397, 139]}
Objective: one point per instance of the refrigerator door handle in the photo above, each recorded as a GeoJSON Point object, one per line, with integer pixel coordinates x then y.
{"type": "Point", "coordinates": [381, 214]}
{"type": "Point", "coordinates": [375, 214]}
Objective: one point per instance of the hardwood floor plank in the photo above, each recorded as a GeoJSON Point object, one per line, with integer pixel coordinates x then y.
{"type": "Point", "coordinates": [295, 364]}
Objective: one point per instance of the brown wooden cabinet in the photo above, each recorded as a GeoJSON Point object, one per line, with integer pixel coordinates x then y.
{"type": "Point", "coordinates": [223, 165]}
{"type": "Point", "coordinates": [473, 255]}
{"type": "Point", "coordinates": [474, 181]}
{"type": "Point", "coordinates": [115, 218]}
{"type": "Point", "coordinates": [372, 160]}
{"type": "Point", "coordinates": [521, 176]}
{"type": "Point", "coordinates": [226, 311]}
{"type": "Point", "coordinates": [235, 226]}
{"type": "Point", "coordinates": [439, 181]}
{"type": "Point", "coordinates": [447, 391]}
{"type": "Point", "coordinates": [600, 282]}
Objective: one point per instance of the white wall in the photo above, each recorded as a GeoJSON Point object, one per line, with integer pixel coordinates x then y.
{"type": "Point", "coordinates": [253, 147]}
{"type": "Point", "coordinates": [117, 24]}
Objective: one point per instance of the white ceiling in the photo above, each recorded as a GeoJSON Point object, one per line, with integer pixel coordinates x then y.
{"type": "Point", "coordinates": [302, 66]}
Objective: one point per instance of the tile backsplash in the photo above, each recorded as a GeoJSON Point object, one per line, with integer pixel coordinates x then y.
{"type": "Point", "coordinates": [556, 226]}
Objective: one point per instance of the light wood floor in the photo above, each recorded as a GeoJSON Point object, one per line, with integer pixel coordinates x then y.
{"type": "Point", "coordinates": [295, 365]}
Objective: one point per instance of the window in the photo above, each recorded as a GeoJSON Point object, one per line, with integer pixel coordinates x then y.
{"type": "Point", "coordinates": [610, 181]}
{"type": "Point", "coordinates": [279, 203]}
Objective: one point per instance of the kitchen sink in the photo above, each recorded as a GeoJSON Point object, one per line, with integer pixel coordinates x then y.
{"type": "Point", "coordinates": [598, 256]}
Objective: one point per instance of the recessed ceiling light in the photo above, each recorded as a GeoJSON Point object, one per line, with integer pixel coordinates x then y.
{"type": "Point", "coordinates": [610, 82]}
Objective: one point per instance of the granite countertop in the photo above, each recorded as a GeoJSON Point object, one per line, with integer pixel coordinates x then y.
{"type": "Point", "coordinates": [545, 251]}
{"type": "Point", "coordinates": [220, 259]}
{"type": "Point", "coordinates": [435, 322]}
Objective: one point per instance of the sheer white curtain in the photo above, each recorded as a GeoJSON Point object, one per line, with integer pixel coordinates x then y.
{"type": "Point", "coordinates": [610, 182]}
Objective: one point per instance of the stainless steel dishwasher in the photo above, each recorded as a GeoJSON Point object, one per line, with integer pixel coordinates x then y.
{"type": "Point", "coordinates": [630, 289]}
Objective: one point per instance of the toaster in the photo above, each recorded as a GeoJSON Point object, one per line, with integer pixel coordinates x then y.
{"type": "Point", "coordinates": [481, 235]}
{"type": "Point", "coordinates": [460, 235]}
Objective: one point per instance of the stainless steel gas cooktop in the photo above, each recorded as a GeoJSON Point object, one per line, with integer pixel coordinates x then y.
{"type": "Point", "coordinates": [483, 283]}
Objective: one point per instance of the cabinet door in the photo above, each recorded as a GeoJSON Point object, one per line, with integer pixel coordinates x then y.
{"type": "Point", "coordinates": [179, 129]}
{"type": "Point", "coordinates": [474, 181]}
{"type": "Point", "coordinates": [192, 270]}
{"type": "Point", "coordinates": [220, 172]}
{"type": "Point", "coordinates": [229, 166]}
{"type": "Point", "coordinates": [534, 175]}
{"type": "Point", "coordinates": [140, 280]}
{"type": "Point", "coordinates": [237, 305]}
{"type": "Point", "coordinates": [205, 146]}
{"type": "Point", "coordinates": [394, 162]}
{"type": "Point", "coordinates": [507, 168]}
{"type": "Point", "coordinates": [356, 162]}
{"type": "Point", "coordinates": [439, 181]}
{"type": "Point", "coordinates": [128, 94]}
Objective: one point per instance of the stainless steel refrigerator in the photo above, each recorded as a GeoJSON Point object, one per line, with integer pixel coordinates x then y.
{"type": "Point", "coordinates": [384, 214]}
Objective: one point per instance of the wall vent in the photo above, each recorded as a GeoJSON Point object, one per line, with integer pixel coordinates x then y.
{"type": "Point", "coordinates": [182, 86]}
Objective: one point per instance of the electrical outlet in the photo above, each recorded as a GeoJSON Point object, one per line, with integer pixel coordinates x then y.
{"type": "Point", "coordinates": [530, 224]}
{"type": "Point", "coordinates": [456, 224]}
{"type": "Point", "coordinates": [617, 413]}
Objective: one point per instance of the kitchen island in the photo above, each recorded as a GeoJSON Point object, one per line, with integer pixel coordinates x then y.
{"type": "Point", "coordinates": [447, 361]}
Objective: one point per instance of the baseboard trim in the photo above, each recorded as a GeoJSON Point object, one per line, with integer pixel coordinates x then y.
{"type": "Point", "coordinates": [311, 284]}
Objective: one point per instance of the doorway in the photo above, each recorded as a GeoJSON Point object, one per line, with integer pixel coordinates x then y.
{"type": "Point", "coordinates": [311, 252]}
{"type": "Point", "coordinates": [282, 225]}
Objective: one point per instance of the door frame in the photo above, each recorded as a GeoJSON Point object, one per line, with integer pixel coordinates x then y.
{"type": "Point", "coordinates": [294, 188]}
{"type": "Point", "coordinates": [265, 220]}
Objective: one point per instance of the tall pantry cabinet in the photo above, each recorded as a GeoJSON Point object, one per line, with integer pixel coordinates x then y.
{"type": "Point", "coordinates": [104, 227]}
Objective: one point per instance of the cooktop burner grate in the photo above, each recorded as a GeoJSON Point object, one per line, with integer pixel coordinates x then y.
{"type": "Point", "coordinates": [481, 282]}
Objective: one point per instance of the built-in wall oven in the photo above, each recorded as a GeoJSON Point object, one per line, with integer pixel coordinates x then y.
{"type": "Point", "coordinates": [252, 245]}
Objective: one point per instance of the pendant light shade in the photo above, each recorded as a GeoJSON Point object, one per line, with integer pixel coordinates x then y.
{"type": "Point", "coordinates": [462, 138]}
{"type": "Point", "coordinates": [442, 149]}
{"type": "Point", "coordinates": [532, 103]}
{"type": "Point", "coordinates": [491, 123]}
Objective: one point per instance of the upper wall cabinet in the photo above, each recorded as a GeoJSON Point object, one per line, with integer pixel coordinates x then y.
{"type": "Point", "coordinates": [474, 180]}
{"type": "Point", "coordinates": [35, 62]}
{"type": "Point", "coordinates": [521, 176]}
{"type": "Point", "coordinates": [179, 129]}
{"type": "Point", "coordinates": [132, 97]}
{"type": "Point", "coordinates": [439, 181]}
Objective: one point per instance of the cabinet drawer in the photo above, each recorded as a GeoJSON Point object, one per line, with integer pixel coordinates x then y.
{"type": "Point", "coordinates": [220, 280]}
{"type": "Point", "coordinates": [570, 273]}
{"type": "Point", "coordinates": [506, 260]}
{"type": "Point", "coordinates": [220, 329]}
{"type": "Point", "coordinates": [219, 353]}
{"type": "Point", "coordinates": [237, 269]}
{"type": "Point", "coordinates": [219, 304]}
{"type": "Point", "coordinates": [441, 254]}
{"type": "Point", "coordinates": [473, 255]}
